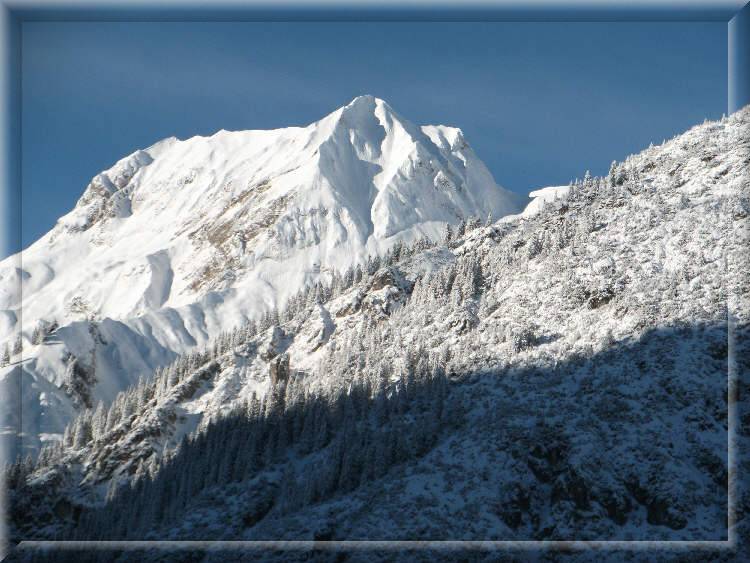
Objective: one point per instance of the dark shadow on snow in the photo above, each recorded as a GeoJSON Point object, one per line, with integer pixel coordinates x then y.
{"type": "Point", "coordinates": [629, 394]}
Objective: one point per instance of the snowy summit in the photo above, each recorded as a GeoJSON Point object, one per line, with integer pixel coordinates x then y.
{"type": "Point", "coordinates": [184, 239]}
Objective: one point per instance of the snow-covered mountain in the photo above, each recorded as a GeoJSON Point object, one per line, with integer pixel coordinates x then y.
{"type": "Point", "coordinates": [184, 239]}
{"type": "Point", "coordinates": [560, 374]}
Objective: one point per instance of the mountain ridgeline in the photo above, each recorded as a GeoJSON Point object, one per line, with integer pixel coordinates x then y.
{"type": "Point", "coordinates": [189, 238]}
{"type": "Point", "coordinates": [574, 372]}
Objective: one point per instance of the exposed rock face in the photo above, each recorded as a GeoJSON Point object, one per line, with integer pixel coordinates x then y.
{"type": "Point", "coordinates": [279, 369]}
{"type": "Point", "coordinates": [274, 344]}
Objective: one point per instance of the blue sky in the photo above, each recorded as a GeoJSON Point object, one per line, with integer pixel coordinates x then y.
{"type": "Point", "coordinates": [539, 102]}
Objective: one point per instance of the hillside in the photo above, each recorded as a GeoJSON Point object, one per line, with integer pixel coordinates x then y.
{"type": "Point", "coordinates": [561, 374]}
{"type": "Point", "coordinates": [180, 241]}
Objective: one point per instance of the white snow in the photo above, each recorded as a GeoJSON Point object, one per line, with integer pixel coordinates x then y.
{"type": "Point", "coordinates": [186, 238]}
{"type": "Point", "coordinates": [542, 197]}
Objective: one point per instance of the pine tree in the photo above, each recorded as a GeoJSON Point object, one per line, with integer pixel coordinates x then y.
{"type": "Point", "coordinates": [82, 432]}
{"type": "Point", "coordinates": [461, 231]}
{"type": "Point", "coordinates": [5, 359]}
{"type": "Point", "coordinates": [17, 345]}
{"type": "Point", "coordinates": [67, 439]}
{"type": "Point", "coordinates": [588, 182]}
{"type": "Point", "coordinates": [612, 176]}
{"type": "Point", "coordinates": [128, 405]}
{"type": "Point", "coordinates": [28, 466]}
{"type": "Point", "coordinates": [474, 223]}
{"type": "Point", "coordinates": [99, 422]}
{"type": "Point", "coordinates": [358, 274]}
{"type": "Point", "coordinates": [448, 236]}
{"type": "Point", "coordinates": [37, 336]}
{"type": "Point", "coordinates": [113, 415]}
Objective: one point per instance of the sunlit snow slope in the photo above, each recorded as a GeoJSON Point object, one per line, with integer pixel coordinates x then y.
{"type": "Point", "coordinates": [186, 238]}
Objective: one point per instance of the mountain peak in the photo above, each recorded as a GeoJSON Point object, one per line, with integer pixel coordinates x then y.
{"type": "Point", "coordinates": [364, 105]}
{"type": "Point", "coordinates": [365, 99]}
{"type": "Point", "coordinates": [190, 237]}
{"type": "Point", "coordinates": [368, 102]}
{"type": "Point", "coordinates": [362, 111]}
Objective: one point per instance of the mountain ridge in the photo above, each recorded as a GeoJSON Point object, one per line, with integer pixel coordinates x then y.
{"type": "Point", "coordinates": [179, 241]}
{"type": "Point", "coordinates": [554, 375]}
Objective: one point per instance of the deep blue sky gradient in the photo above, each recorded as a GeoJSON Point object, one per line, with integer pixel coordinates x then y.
{"type": "Point", "coordinates": [539, 102]}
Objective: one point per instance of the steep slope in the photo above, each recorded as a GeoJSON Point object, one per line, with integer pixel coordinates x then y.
{"type": "Point", "coordinates": [562, 374]}
{"type": "Point", "coordinates": [184, 239]}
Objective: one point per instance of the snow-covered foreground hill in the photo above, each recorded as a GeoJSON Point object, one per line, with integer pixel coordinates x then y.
{"type": "Point", "coordinates": [184, 239]}
{"type": "Point", "coordinates": [562, 374]}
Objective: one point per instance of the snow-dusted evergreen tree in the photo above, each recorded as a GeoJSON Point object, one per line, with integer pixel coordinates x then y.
{"type": "Point", "coordinates": [37, 335]}
{"type": "Point", "coordinates": [448, 236]}
{"type": "Point", "coordinates": [82, 434]}
{"type": "Point", "coordinates": [17, 345]}
{"type": "Point", "coordinates": [99, 422]}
